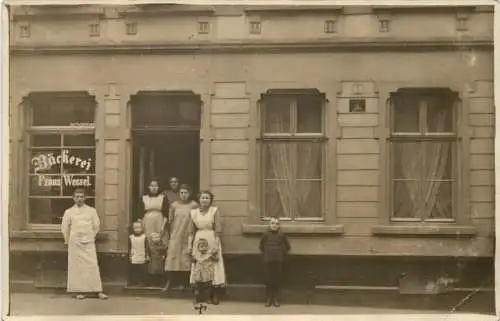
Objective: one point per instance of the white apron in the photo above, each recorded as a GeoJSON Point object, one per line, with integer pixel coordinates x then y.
{"type": "Point", "coordinates": [204, 224]}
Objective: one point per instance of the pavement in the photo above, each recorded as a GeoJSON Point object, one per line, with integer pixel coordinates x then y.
{"type": "Point", "coordinates": [31, 304]}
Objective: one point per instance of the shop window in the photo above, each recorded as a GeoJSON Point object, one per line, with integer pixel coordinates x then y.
{"type": "Point", "coordinates": [61, 148]}
{"type": "Point", "coordinates": [292, 155]}
{"type": "Point", "coordinates": [423, 155]}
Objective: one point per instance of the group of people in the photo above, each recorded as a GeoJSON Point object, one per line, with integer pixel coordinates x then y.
{"type": "Point", "coordinates": [175, 242]}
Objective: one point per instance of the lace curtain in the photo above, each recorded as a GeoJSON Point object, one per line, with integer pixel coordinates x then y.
{"type": "Point", "coordinates": [293, 169]}
{"type": "Point", "coordinates": [422, 171]}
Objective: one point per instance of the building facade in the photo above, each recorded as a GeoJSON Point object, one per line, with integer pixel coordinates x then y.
{"type": "Point", "coordinates": [369, 130]}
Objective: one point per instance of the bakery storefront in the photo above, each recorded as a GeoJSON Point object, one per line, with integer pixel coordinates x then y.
{"type": "Point", "coordinates": [325, 134]}
{"type": "Point", "coordinates": [60, 143]}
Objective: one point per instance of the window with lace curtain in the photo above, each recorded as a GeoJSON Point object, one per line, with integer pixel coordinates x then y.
{"type": "Point", "coordinates": [292, 155]}
{"type": "Point", "coordinates": [423, 146]}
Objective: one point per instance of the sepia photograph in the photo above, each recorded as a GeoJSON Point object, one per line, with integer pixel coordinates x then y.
{"type": "Point", "coordinates": [199, 159]}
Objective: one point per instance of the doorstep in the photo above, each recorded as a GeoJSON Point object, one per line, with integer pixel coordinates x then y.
{"type": "Point", "coordinates": [348, 296]}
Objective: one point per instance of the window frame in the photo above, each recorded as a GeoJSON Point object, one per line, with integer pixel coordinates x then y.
{"type": "Point", "coordinates": [30, 130]}
{"type": "Point", "coordinates": [454, 137]}
{"type": "Point", "coordinates": [291, 137]}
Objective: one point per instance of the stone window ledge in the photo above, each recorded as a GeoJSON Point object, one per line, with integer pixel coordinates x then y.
{"type": "Point", "coordinates": [296, 228]}
{"type": "Point", "coordinates": [445, 231]}
{"type": "Point", "coordinates": [45, 235]}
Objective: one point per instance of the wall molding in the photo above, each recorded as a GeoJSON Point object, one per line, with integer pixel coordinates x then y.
{"type": "Point", "coordinates": [245, 46]}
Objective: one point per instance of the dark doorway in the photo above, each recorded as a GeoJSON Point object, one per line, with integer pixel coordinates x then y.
{"type": "Point", "coordinates": [165, 140]}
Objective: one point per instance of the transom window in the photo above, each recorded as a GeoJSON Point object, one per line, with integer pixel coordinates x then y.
{"type": "Point", "coordinates": [166, 110]}
{"type": "Point", "coordinates": [423, 154]}
{"type": "Point", "coordinates": [292, 155]}
{"type": "Point", "coordinates": [61, 148]}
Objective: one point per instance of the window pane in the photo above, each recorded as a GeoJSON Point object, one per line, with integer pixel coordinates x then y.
{"type": "Point", "coordinates": [438, 198]}
{"type": "Point", "coordinates": [277, 115]}
{"type": "Point", "coordinates": [309, 115]}
{"type": "Point", "coordinates": [78, 161]}
{"type": "Point", "coordinates": [79, 140]}
{"type": "Point", "coordinates": [46, 161]}
{"type": "Point", "coordinates": [406, 199]}
{"type": "Point", "coordinates": [72, 182]}
{"type": "Point", "coordinates": [408, 159]}
{"type": "Point", "coordinates": [45, 185]}
{"type": "Point", "coordinates": [308, 200]}
{"type": "Point", "coordinates": [277, 160]}
{"type": "Point", "coordinates": [46, 140]}
{"type": "Point", "coordinates": [277, 199]}
{"type": "Point", "coordinates": [439, 114]}
{"type": "Point", "coordinates": [50, 211]}
{"type": "Point", "coordinates": [309, 160]}
{"type": "Point", "coordinates": [63, 112]}
{"type": "Point", "coordinates": [437, 160]}
{"type": "Point", "coordinates": [190, 112]}
{"type": "Point", "coordinates": [406, 114]}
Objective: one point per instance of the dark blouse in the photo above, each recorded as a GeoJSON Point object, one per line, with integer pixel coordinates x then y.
{"type": "Point", "coordinates": [274, 246]}
{"type": "Point", "coordinates": [165, 208]}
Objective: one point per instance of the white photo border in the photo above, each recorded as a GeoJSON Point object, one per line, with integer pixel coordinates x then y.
{"type": "Point", "coordinates": [4, 172]}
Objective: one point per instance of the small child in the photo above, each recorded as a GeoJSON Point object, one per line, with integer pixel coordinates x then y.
{"type": "Point", "coordinates": [275, 247]}
{"type": "Point", "coordinates": [156, 254]}
{"type": "Point", "coordinates": [203, 271]}
{"type": "Point", "coordinates": [138, 256]}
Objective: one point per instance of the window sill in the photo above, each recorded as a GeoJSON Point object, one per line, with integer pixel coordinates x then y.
{"type": "Point", "coordinates": [45, 235]}
{"type": "Point", "coordinates": [296, 228]}
{"type": "Point", "coordinates": [445, 231]}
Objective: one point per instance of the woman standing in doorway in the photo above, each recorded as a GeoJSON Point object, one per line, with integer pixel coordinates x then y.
{"type": "Point", "coordinates": [206, 227]}
{"type": "Point", "coordinates": [178, 262]}
{"type": "Point", "coordinates": [153, 210]}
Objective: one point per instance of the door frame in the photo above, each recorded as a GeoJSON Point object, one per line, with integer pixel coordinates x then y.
{"type": "Point", "coordinates": [134, 132]}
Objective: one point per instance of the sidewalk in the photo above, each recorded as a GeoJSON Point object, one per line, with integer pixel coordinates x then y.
{"type": "Point", "coordinates": [29, 304]}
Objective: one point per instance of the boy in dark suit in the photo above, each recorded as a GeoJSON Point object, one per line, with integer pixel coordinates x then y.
{"type": "Point", "coordinates": [275, 247]}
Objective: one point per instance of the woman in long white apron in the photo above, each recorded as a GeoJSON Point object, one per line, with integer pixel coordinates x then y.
{"type": "Point", "coordinates": [153, 210]}
{"type": "Point", "coordinates": [206, 226]}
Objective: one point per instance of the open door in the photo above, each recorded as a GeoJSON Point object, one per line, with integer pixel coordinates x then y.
{"type": "Point", "coordinates": [165, 141]}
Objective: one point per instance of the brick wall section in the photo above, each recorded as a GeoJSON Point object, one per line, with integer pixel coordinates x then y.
{"type": "Point", "coordinates": [110, 156]}
{"type": "Point", "coordinates": [229, 174]}
{"type": "Point", "coordinates": [111, 204]}
{"type": "Point", "coordinates": [481, 119]}
{"type": "Point", "coordinates": [358, 160]}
